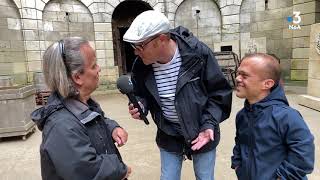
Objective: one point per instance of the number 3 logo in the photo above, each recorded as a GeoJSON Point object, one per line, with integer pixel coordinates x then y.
{"type": "Point", "coordinates": [297, 18]}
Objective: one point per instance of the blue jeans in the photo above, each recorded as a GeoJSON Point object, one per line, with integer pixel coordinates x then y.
{"type": "Point", "coordinates": [203, 165]}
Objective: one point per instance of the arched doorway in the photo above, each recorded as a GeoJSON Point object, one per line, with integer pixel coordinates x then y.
{"type": "Point", "coordinates": [202, 18]}
{"type": "Point", "coordinates": [122, 17]}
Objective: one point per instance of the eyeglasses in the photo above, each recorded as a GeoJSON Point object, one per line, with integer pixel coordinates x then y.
{"type": "Point", "coordinates": [142, 45]}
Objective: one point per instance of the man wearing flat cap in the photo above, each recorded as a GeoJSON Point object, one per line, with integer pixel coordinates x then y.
{"type": "Point", "coordinates": [178, 80]}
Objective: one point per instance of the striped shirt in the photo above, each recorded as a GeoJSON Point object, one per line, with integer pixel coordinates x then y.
{"type": "Point", "coordinates": [166, 76]}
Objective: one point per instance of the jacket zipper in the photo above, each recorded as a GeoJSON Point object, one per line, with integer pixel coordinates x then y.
{"type": "Point", "coordinates": [251, 144]}
{"type": "Point", "coordinates": [176, 104]}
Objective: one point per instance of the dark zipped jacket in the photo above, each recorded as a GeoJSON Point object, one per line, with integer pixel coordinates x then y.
{"type": "Point", "coordinates": [272, 140]}
{"type": "Point", "coordinates": [77, 141]}
{"type": "Point", "coordinates": [202, 100]}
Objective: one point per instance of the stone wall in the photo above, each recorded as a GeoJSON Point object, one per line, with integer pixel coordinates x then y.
{"type": "Point", "coordinates": [314, 61]}
{"type": "Point", "coordinates": [201, 17]}
{"type": "Point", "coordinates": [12, 49]}
{"type": "Point", "coordinates": [246, 25]}
{"type": "Point", "coordinates": [300, 44]}
{"type": "Point", "coordinates": [312, 99]}
{"type": "Point", "coordinates": [64, 19]}
{"type": "Point", "coordinates": [263, 29]}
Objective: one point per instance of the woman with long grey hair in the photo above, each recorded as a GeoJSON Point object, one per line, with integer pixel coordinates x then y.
{"type": "Point", "coordinates": [77, 139]}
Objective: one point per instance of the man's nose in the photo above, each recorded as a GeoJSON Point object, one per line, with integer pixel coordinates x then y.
{"type": "Point", "coordinates": [238, 78]}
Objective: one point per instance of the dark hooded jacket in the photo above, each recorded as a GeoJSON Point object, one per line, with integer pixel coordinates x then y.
{"type": "Point", "coordinates": [272, 140]}
{"type": "Point", "coordinates": [202, 100]}
{"type": "Point", "coordinates": [77, 141]}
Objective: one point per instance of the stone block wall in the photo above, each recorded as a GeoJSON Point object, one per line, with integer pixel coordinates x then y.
{"type": "Point", "coordinates": [263, 29]}
{"type": "Point", "coordinates": [300, 44]}
{"type": "Point", "coordinates": [246, 25]}
{"type": "Point", "coordinates": [202, 18]}
{"type": "Point", "coordinates": [64, 19]}
{"type": "Point", "coordinates": [12, 49]}
{"type": "Point", "coordinates": [314, 61]}
{"type": "Point", "coordinates": [312, 99]}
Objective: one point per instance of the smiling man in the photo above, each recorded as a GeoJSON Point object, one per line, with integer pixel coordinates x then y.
{"type": "Point", "coordinates": [272, 139]}
{"type": "Point", "coordinates": [178, 80]}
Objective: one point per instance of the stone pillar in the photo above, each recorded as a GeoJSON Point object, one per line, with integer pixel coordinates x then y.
{"type": "Point", "coordinates": [300, 44]}
{"type": "Point", "coordinates": [312, 99]}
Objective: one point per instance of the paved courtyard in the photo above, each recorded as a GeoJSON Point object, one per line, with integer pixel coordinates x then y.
{"type": "Point", "coordinates": [19, 160]}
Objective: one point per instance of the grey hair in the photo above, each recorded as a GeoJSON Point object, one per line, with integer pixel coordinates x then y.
{"type": "Point", "coordinates": [58, 70]}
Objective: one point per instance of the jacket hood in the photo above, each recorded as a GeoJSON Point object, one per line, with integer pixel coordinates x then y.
{"type": "Point", "coordinates": [276, 97]}
{"type": "Point", "coordinates": [39, 116]}
{"type": "Point", "coordinates": [185, 39]}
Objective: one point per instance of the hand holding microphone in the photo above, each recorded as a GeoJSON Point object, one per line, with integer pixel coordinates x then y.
{"type": "Point", "coordinates": [125, 86]}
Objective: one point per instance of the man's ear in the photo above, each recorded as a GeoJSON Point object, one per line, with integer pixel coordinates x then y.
{"type": "Point", "coordinates": [268, 84]}
{"type": "Point", "coordinates": [77, 79]}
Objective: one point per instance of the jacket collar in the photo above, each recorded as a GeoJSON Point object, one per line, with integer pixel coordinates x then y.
{"type": "Point", "coordinates": [80, 110]}
{"type": "Point", "coordinates": [275, 97]}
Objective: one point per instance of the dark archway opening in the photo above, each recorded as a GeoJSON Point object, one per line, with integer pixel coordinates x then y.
{"type": "Point", "coordinates": [122, 18]}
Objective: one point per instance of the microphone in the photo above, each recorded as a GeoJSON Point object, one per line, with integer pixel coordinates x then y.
{"type": "Point", "coordinates": [125, 86]}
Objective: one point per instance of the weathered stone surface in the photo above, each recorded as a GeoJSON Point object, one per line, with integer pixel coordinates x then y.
{"type": "Point", "coordinates": [301, 1]}
{"type": "Point", "coordinates": [75, 26]}
{"type": "Point", "coordinates": [230, 37]}
{"type": "Point", "coordinates": [305, 8]}
{"type": "Point", "coordinates": [100, 45]}
{"type": "Point", "coordinates": [299, 64]}
{"type": "Point", "coordinates": [14, 23]}
{"type": "Point", "coordinates": [299, 75]}
{"type": "Point", "coordinates": [30, 34]}
{"type": "Point", "coordinates": [300, 53]}
{"type": "Point", "coordinates": [314, 69]}
{"type": "Point", "coordinates": [102, 17]}
{"type": "Point", "coordinates": [12, 56]}
{"type": "Point", "coordinates": [34, 55]}
{"type": "Point", "coordinates": [17, 104]}
{"type": "Point", "coordinates": [85, 18]}
{"type": "Point", "coordinates": [34, 66]}
{"type": "Point", "coordinates": [101, 53]}
{"type": "Point", "coordinates": [301, 42]}
{"type": "Point", "coordinates": [287, 33]}
{"type": "Point", "coordinates": [29, 24]}
{"type": "Point", "coordinates": [313, 54]}
{"type": "Point", "coordinates": [314, 34]}
{"type": "Point", "coordinates": [270, 25]}
{"type": "Point", "coordinates": [101, 62]}
{"type": "Point", "coordinates": [232, 19]}
{"type": "Point", "coordinates": [313, 87]}
{"type": "Point", "coordinates": [231, 28]}
{"type": "Point", "coordinates": [308, 19]}
{"type": "Point", "coordinates": [312, 102]}
{"type": "Point", "coordinates": [260, 6]}
{"type": "Point", "coordinates": [32, 45]}
{"type": "Point", "coordinates": [18, 67]}
{"type": "Point", "coordinates": [109, 45]}
{"type": "Point", "coordinates": [304, 31]}
{"type": "Point", "coordinates": [29, 13]}
{"type": "Point", "coordinates": [285, 65]}
{"type": "Point", "coordinates": [230, 10]}
{"type": "Point", "coordinates": [102, 27]}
